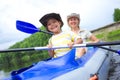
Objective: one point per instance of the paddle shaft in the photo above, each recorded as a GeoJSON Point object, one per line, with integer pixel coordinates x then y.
{"type": "Point", "coordinates": [46, 32]}
{"type": "Point", "coordinates": [103, 44]}
{"type": "Point", "coordinates": [40, 48]}
{"type": "Point", "coordinates": [17, 50]}
{"type": "Point", "coordinates": [109, 49]}
{"type": "Point", "coordinates": [65, 46]}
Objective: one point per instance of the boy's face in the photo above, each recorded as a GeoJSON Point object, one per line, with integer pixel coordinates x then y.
{"type": "Point", "coordinates": [73, 22]}
{"type": "Point", "coordinates": [53, 25]}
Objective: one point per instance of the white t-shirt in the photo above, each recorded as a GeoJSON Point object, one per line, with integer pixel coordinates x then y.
{"type": "Point", "coordinates": [84, 34]}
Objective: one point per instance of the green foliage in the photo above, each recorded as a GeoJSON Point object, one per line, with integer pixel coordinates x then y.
{"type": "Point", "coordinates": [100, 35]}
{"type": "Point", "coordinates": [110, 36]}
{"type": "Point", "coordinates": [15, 60]}
{"type": "Point", "coordinates": [114, 35]}
{"type": "Point", "coordinates": [116, 14]}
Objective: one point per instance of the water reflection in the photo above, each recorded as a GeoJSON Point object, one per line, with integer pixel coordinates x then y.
{"type": "Point", "coordinates": [3, 75]}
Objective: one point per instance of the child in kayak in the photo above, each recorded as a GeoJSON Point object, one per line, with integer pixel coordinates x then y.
{"type": "Point", "coordinates": [73, 21]}
{"type": "Point", "coordinates": [53, 23]}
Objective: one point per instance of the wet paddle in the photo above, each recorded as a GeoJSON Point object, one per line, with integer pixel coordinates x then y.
{"type": "Point", "coordinates": [58, 47]}
{"type": "Point", "coordinates": [28, 27]}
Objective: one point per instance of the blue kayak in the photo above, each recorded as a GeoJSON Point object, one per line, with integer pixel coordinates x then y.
{"type": "Point", "coordinates": [95, 61]}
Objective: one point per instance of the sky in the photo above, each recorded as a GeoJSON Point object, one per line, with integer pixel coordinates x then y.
{"type": "Point", "coordinates": [93, 13]}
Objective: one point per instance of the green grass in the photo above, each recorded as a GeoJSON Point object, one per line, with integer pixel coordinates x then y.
{"type": "Point", "coordinates": [110, 36]}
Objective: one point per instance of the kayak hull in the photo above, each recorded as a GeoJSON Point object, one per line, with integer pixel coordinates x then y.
{"type": "Point", "coordinates": [95, 61]}
{"type": "Point", "coordinates": [98, 64]}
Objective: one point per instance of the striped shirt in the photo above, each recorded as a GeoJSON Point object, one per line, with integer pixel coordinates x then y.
{"type": "Point", "coordinates": [62, 39]}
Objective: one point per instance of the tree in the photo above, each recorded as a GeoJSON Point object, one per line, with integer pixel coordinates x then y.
{"type": "Point", "coordinates": [116, 14]}
{"type": "Point", "coordinates": [16, 60]}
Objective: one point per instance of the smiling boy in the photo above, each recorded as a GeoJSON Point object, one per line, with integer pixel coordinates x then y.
{"type": "Point", "coordinates": [53, 23]}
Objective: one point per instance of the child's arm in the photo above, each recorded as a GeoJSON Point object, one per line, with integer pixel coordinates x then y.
{"type": "Point", "coordinates": [78, 41]}
{"type": "Point", "coordinates": [75, 39]}
{"type": "Point", "coordinates": [51, 52]}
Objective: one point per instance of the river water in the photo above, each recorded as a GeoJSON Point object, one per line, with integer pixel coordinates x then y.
{"type": "Point", "coordinates": [114, 73]}
{"type": "Point", "coordinates": [3, 75]}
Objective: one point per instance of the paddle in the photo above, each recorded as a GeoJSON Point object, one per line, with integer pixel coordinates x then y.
{"type": "Point", "coordinates": [31, 29]}
{"type": "Point", "coordinates": [28, 27]}
{"type": "Point", "coordinates": [58, 47]}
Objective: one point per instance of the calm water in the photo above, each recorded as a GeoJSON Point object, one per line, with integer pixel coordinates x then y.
{"type": "Point", "coordinates": [3, 75]}
{"type": "Point", "coordinates": [114, 73]}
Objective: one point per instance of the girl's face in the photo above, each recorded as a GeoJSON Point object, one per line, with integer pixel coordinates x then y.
{"type": "Point", "coordinates": [53, 25]}
{"type": "Point", "coordinates": [73, 22]}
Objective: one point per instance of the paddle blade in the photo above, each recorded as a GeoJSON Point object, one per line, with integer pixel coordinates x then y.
{"type": "Point", "coordinates": [26, 27]}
